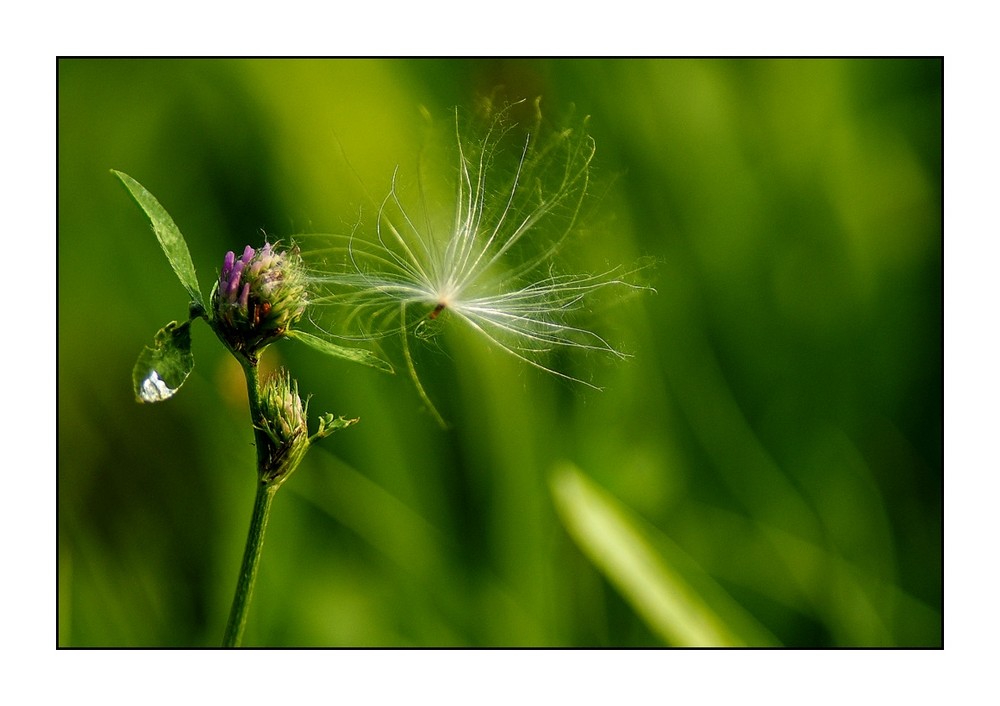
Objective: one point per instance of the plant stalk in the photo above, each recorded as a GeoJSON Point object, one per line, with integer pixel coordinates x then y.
{"type": "Point", "coordinates": [258, 521]}
{"type": "Point", "coordinates": [251, 559]}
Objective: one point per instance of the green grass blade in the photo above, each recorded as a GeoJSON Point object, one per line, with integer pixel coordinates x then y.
{"type": "Point", "coordinates": [171, 240]}
{"type": "Point", "coordinates": [356, 355]}
{"type": "Point", "coordinates": [677, 600]}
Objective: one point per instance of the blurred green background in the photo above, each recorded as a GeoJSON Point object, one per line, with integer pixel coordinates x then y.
{"type": "Point", "coordinates": [773, 449]}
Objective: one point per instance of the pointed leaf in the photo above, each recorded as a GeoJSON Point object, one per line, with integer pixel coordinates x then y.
{"type": "Point", "coordinates": [161, 370]}
{"type": "Point", "coordinates": [171, 240]}
{"type": "Point", "coordinates": [675, 598]}
{"type": "Point", "coordinates": [357, 355]}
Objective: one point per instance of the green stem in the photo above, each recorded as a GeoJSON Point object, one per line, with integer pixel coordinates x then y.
{"type": "Point", "coordinates": [251, 559]}
{"type": "Point", "coordinates": [258, 521]}
{"type": "Point", "coordinates": [256, 416]}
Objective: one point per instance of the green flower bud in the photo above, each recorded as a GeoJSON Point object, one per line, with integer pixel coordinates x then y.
{"type": "Point", "coordinates": [283, 419]}
{"type": "Point", "coordinates": [258, 297]}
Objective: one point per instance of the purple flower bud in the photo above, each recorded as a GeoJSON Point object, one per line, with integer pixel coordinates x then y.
{"type": "Point", "coordinates": [227, 267]}
{"type": "Point", "coordinates": [234, 281]}
{"type": "Point", "coordinates": [260, 297]}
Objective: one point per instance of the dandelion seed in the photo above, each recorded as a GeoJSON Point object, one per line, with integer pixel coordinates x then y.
{"type": "Point", "coordinates": [491, 264]}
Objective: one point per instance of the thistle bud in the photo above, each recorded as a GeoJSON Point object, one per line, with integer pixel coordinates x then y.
{"type": "Point", "coordinates": [259, 297]}
{"type": "Point", "coordinates": [283, 419]}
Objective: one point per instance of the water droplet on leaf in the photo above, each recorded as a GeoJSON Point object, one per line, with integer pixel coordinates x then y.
{"type": "Point", "coordinates": [162, 369]}
{"type": "Point", "coordinates": [153, 389]}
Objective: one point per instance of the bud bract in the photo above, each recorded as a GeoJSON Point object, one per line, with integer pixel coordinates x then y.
{"type": "Point", "coordinates": [283, 419]}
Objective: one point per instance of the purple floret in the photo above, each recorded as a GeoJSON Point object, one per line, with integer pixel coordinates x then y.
{"type": "Point", "coordinates": [227, 267]}
{"type": "Point", "coordinates": [234, 281]}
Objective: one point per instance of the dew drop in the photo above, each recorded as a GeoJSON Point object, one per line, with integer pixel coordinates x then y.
{"type": "Point", "coordinates": [153, 389]}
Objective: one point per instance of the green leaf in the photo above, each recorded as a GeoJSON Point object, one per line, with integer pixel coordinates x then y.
{"type": "Point", "coordinates": [329, 424]}
{"type": "Point", "coordinates": [161, 370]}
{"type": "Point", "coordinates": [675, 598]}
{"type": "Point", "coordinates": [171, 240]}
{"type": "Point", "coordinates": [357, 355]}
